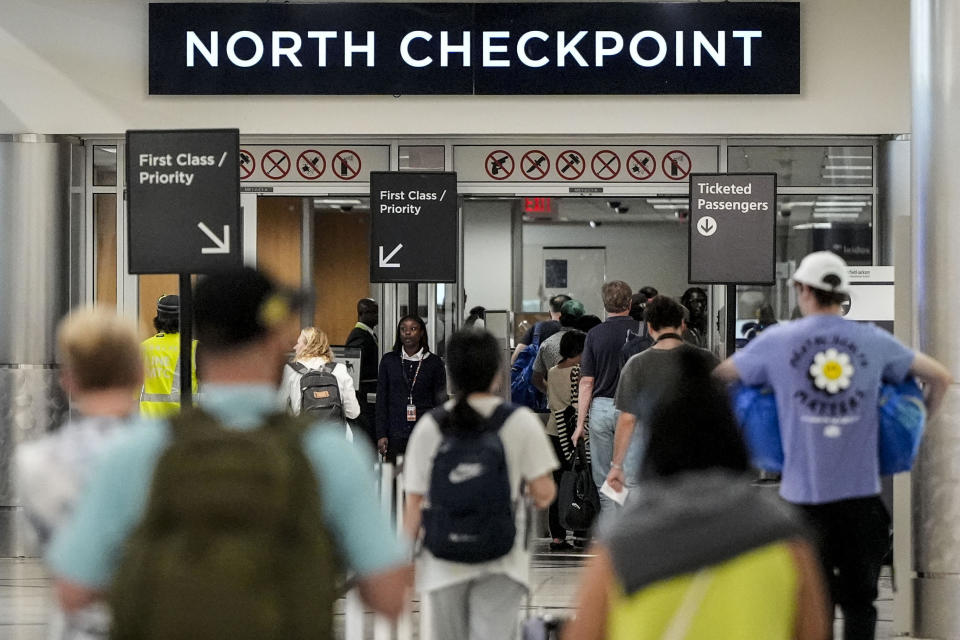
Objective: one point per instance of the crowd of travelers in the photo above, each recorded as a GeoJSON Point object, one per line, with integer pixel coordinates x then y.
{"type": "Point", "coordinates": [248, 515]}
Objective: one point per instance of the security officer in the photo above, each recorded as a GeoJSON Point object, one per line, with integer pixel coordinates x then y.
{"type": "Point", "coordinates": [161, 354]}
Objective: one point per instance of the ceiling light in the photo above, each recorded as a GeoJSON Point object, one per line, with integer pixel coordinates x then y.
{"type": "Point", "coordinates": [669, 206]}
{"type": "Point", "coordinates": [813, 225]}
{"type": "Point", "coordinates": [836, 177]}
{"type": "Point", "coordinates": [334, 202]}
{"type": "Point", "coordinates": [836, 214]}
{"type": "Point", "coordinates": [831, 156]}
{"type": "Point", "coordinates": [846, 167]}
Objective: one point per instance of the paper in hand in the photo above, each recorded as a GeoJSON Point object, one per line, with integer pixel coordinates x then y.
{"type": "Point", "coordinates": [617, 496]}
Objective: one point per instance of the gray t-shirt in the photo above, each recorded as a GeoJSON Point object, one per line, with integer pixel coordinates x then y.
{"type": "Point", "coordinates": [549, 354]}
{"type": "Point", "coordinates": [650, 375]}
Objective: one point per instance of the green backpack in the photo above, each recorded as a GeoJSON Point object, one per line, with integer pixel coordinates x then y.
{"type": "Point", "coordinates": [233, 544]}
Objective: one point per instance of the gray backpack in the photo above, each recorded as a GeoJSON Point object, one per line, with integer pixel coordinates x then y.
{"type": "Point", "coordinates": [320, 393]}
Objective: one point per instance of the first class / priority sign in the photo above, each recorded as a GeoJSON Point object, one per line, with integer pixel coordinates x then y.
{"type": "Point", "coordinates": [183, 199]}
{"type": "Point", "coordinates": [732, 233]}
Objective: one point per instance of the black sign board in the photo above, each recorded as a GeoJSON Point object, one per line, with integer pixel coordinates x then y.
{"type": "Point", "coordinates": [183, 198]}
{"type": "Point", "coordinates": [482, 48]}
{"type": "Point", "coordinates": [414, 231]}
{"type": "Point", "coordinates": [733, 223]}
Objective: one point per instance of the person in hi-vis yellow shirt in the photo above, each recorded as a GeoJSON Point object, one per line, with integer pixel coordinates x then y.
{"type": "Point", "coordinates": [161, 355]}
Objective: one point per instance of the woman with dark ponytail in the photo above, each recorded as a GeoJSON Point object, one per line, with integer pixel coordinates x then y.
{"type": "Point", "coordinates": [475, 583]}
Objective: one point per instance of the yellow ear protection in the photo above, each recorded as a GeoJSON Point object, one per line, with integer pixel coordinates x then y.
{"type": "Point", "coordinates": [274, 310]}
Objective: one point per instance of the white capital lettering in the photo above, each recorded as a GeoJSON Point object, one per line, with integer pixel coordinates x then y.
{"type": "Point", "coordinates": [321, 37]}
{"type": "Point", "coordinates": [522, 49]}
{"type": "Point", "coordinates": [700, 44]}
{"type": "Point", "coordinates": [603, 51]}
{"type": "Point", "coordinates": [747, 51]}
{"type": "Point", "coordinates": [679, 48]}
{"type": "Point", "coordinates": [635, 48]}
{"type": "Point", "coordinates": [489, 48]}
{"type": "Point", "coordinates": [289, 52]}
{"type": "Point", "coordinates": [446, 48]}
{"type": "Point", "coordinates": [349, 48]}
{"type": "Point", "coordinates": [257, 48]}
{"type": "Point", "coordinates": [210, 54]}
{"type": "Point", "coordinates": [405, 49]}
{"type": "Point", "coordinates": [564, 48]}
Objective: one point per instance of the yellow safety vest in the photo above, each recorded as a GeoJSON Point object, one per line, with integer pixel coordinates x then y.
{"type": "Point", "coordinates": [750, 597]}
{"type": "Point", "coordinates": [160, 396]}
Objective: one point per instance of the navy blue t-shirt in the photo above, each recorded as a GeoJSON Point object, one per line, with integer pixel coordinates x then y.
{"type": "Point", "coordinates": [601, 354]}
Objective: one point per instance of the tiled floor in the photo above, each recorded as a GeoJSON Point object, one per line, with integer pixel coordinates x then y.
{"type": "Point", "coordinates": [25, 594]}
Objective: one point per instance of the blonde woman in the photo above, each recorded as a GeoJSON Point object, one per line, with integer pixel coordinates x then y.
{"type": "Point", "coordinates": [313, 352]}
{"type": "Point", "coordinates": [101, 370]}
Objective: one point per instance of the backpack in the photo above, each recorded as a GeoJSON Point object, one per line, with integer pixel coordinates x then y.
{"type": "Point", "coordinates": [578, 500]}
{"type": "Point", "coordinates": [522, 391]}
{"type": "Point", "coordinates": [470, 517]}
{"type": "Point", "coordinates": [233, 544]}
{"type": "Point", "coordinates": [320, 393]}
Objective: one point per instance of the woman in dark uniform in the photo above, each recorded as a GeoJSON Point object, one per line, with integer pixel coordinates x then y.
{"type": "Point", "coordinates": [410, 383]}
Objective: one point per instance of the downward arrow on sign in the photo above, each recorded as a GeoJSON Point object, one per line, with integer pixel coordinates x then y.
{"type": "Point", "coordinates": [223, 246]}
{"type": "Point", "coordinates": [385, 262]}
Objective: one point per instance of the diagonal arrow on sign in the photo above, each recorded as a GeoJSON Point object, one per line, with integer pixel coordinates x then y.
{"type": "Point", "coordinates": [385, 262]}
{"type": "Point", "coordinates": [223, 246]}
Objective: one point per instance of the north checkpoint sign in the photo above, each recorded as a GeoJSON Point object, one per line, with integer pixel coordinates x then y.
{"type": "Point", "coordinates": [413, 235]}
{"type": "Point", "coordinates": [732, 228]}
{"type": "Point", "coordinates": [183, 199]}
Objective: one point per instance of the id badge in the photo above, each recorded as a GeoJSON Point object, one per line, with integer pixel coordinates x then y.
{"type": "Point", "coordinates": [411, 413]}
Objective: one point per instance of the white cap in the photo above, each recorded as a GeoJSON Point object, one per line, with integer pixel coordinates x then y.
{"type": "Point", "coordinates": [823, 270]}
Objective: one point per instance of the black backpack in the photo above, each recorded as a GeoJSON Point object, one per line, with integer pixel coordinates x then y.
{"type": "Point", "coordinates": [319, 392]}
{"type": "Point", "coordinates": [470, 517]}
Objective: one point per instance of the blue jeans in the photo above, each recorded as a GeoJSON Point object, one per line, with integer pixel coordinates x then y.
{"type": "Point", "coordinates": [603, 425]}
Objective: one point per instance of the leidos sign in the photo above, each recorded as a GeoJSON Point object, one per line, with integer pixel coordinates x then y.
{"type": "Point", "coordinates": [475, 48]}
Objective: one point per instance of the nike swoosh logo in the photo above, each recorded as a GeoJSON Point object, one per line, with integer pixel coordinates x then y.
{"type": "Point", "coordinates": [465, 471]}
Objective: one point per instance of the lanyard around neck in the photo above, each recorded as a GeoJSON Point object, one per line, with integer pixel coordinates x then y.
{"type": "Point", "coordinates": [416, 374]}
{"type": "Point", "coordinates": [667, 336]}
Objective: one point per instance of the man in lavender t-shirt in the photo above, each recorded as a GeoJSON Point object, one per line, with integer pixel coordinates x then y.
{"type": "Point", "coordinates": [826, 372]}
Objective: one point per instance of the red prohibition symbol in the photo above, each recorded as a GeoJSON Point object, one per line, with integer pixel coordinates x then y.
{"type": "Point", "coordinates": [311, 164]}
{"type": "Point", "coordinates": [641, 165]}
{"type": "Point", "coordinates": [605, 164]}
{"type": "Point", "coordinates": [248, 164]}
{"type": "Point", "coordinates": [535, 164]}
{"type": "Point", "coordinates": [346, 164]}
{"type": "Point", "coordinates": [276, 164]}
{"type": "Point", "coordinates": [499, 164]}
{"type": "Point", "coordinates": [677, 164]}
{"type": "Point", "coordinates": [570, 164]}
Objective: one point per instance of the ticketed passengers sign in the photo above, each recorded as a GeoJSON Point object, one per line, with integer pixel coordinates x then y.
{"type": "Point", "coordinates": [413, 231]}
{"type": "Point", "coordinates": [183, 199]}
{"type": "Point", "coordinates": [732, 228]}
{"type": "Point", "coordinates": [481, 48]}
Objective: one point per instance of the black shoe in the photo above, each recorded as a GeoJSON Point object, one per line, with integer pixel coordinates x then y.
{"type": "Point", "coordinates": [560, 545]}
{"type": "Point", "coordinates": [581, 543]}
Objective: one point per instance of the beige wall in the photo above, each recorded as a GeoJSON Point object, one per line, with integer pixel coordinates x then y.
{"type": "Point", "coordinates": [81, 68]}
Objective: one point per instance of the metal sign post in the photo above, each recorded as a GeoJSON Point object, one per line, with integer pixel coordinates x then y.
{"type": "Point", "coordinates": [413, 231]}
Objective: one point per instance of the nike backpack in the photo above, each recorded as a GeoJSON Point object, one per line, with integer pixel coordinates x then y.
{"type": "Point", "coordinates": [470, 513]}
{"type": "Point", "coordinates": [319, 393]}
{"type": "Point", "coordinates": [233, 545]}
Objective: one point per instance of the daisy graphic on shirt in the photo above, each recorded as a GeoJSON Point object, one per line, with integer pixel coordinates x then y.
{"type": "Point", "coordinates": [831, 371]}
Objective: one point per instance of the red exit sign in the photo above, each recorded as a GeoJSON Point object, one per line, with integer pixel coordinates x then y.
{"type": "Point", "coordinates": [538, 205]}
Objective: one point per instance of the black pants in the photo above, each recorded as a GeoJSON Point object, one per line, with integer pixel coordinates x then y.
{"type": "Point", "coordinates": [854, 537]}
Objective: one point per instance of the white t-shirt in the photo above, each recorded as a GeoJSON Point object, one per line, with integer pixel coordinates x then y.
{"type": "Point", "coordinates": [529, 455]}
{"type": "Point", "coordinates": [290, 387]}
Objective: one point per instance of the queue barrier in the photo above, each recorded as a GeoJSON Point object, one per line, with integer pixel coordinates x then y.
{"type": "Point", "coordinates": [392, 501]}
